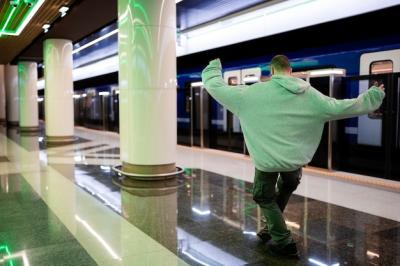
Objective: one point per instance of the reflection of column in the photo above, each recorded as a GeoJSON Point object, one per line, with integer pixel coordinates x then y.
{"type": "Point", "coordinates": [2, 96]}
{"type": "Point", "coordinates": [65, 166]}
{"type": "Point", "coordinates": [12, 134]}
{"type": "Point", "coordinates": [147, 80]}
{"type": "Point", "coordinates": [28, 105]}
{"type": "Point", "coordinates": [58, 192]}
{"type": "Point", "coordinates": [11, 78]}
{"type": "Point", "coordinates": [152, 207]}
{"type": "Point", "coordinates": [59, 106]}
{"type": "Point", "coordinates": [29, 156]}
{"type": "Point", "coordinates": [30, 142]}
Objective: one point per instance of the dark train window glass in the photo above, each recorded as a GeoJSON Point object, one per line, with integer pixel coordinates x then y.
{"type": "Point", "coordinates": [232, 81]}
{"type": "Point", "coordinates": [381, 67]}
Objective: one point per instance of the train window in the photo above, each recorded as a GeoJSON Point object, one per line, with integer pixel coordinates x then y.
{"type": "Point", "coordinates": [233, 81]}
{"type": "Point", "coordinates": [250, 79]}
{"type": "Point", "coordinates": [381, 67]}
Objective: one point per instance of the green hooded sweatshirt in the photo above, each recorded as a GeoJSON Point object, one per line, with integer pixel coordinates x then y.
{"type": "Point", "coordinates": [282, 119]}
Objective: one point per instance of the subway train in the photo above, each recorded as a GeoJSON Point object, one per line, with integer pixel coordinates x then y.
{"type": "Point", "coordinates": [339, 67]}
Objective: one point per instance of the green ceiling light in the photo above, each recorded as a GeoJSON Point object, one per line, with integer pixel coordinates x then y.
{"type": "Point", "coordinates": [16, 14]}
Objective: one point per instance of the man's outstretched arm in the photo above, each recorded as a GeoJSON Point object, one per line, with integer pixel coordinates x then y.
{"type": "Point", "coordinates": [228, 96]}
{"type": "Point", "coordinates": [365, 103]}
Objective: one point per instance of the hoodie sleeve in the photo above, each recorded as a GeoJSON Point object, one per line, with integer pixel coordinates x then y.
{"type": "Point", "coordinates": [228, 96]}
{"type": "Point", "coordinates": [333, 109]}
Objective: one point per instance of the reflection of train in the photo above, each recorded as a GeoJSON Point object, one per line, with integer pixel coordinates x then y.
{"type": "Point", "coordinates": [341, 68]}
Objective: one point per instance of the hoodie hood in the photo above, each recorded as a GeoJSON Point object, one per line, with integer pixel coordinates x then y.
{"type": "Point", "coordinates": [294, 85]}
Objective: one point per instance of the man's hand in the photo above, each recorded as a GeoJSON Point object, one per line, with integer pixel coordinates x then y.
{"type": "Point", "coordinates": [382, 86]}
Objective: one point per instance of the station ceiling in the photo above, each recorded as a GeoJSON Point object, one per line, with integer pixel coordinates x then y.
{"type": "Point", "coordinates": [11, 19]}
{"type": "Point", "coordinates": [88, 16]}
{"type": "Point", "coordinates": [83, 18]}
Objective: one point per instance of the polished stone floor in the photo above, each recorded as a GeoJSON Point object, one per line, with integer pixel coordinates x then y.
{"type": "Point", "coordinates": [30, 228]}
{"type": "Point", "coordinates": [65, 206]}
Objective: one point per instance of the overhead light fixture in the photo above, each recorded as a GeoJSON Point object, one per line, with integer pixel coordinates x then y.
{"type": "Point", "coordinates": [63, 10]}
{"type": "Point", "coordinates": [178, 1]}
{"type": "Point", "coordinates": [18, 15]}
{"type": "Point", "coordinates": [30, 3]}
{"type": "Point", "coordinates": [46, 27]}
{"type": "Point", "coordinates": [14, 3]}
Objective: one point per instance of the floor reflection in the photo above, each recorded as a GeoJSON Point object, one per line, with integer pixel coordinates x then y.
{"type": "Point", "coordinates": [30, 234]}
{"type": "Point", "coordinates": [203, 217]}
{"type": "Point", "coordinates": [152, 207]}
{"type": "Point", "coordinates": [217, 220]}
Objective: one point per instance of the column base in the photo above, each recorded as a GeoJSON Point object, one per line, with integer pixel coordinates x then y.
{"type": "Point", "coordinates": [57, 140]}
{"type": "Point", "coordinates": [29, 133]}
{"type": "Point", "coordinates": [145, 188]}
{"type": "Point", "coordinates": [13, 123]}
{"type": "Point", "coordinates": [29, 129]}
{"type": "Point", "coordinates": [148, 172]}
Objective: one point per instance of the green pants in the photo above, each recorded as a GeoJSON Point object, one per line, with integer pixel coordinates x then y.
{"type": "Point", "coordinates": [271, 191]}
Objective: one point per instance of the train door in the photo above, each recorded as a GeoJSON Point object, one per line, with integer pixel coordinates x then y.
{"type": "Point", "coordinates": [225, 131]}
{"type": "Point", "coordinates": [114, 109]}
{"type": "Point", "coordinates": [199, 115]}
{"type": "Point", "coordinates": [184, 103]}
{"type": "Point", "coordinates": [370, 142]}
{"type": "Point", "coordinates": [380, 129]}
{"type": "Point", "coordinates": [327, 81]}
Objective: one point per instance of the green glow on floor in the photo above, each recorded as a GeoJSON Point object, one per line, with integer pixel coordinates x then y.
{"type": "Point", "coordinates": [7, 250]}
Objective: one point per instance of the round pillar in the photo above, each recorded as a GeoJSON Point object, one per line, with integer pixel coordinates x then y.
{"type": "Point", "coordinates": [11, 77]}
{"type": "Point", "coordinates": [147, 81]}
{"type": "Point", "coordinates": [59, 108]}
{"type": "Point", "coordinates": [28, 105]}
{"type": "Point", "coordinates": [2, 96]}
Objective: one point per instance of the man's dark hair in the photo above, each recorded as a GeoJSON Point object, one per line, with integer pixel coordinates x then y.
{"type": "Point", "coordinates": [280, 63]}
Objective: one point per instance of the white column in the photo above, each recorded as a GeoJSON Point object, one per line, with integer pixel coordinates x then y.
{"type": "Point", "coordinates": [28, 105]}
{"type": "Point", "coordinates": [11, 77]}
{"type": "Point", "coordinates": [59, 108]}
{"type": "Point", "coordinates": [147, 80]}
{"type": "Point", "coordinates": [2, 96]}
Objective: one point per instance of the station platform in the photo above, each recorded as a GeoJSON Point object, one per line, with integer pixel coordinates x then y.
{"type": "Point", "coordinates": [65, 202]}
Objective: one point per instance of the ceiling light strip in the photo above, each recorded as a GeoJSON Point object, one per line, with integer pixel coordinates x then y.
{"type": "Point", "coordinates": [28, 18]}
{"type": "Point", "coordinates": [8, 21]}
{"type": "Point", "coordinates": [105, 36]}
{"type": "Point", "coordinates": [30, 13]}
